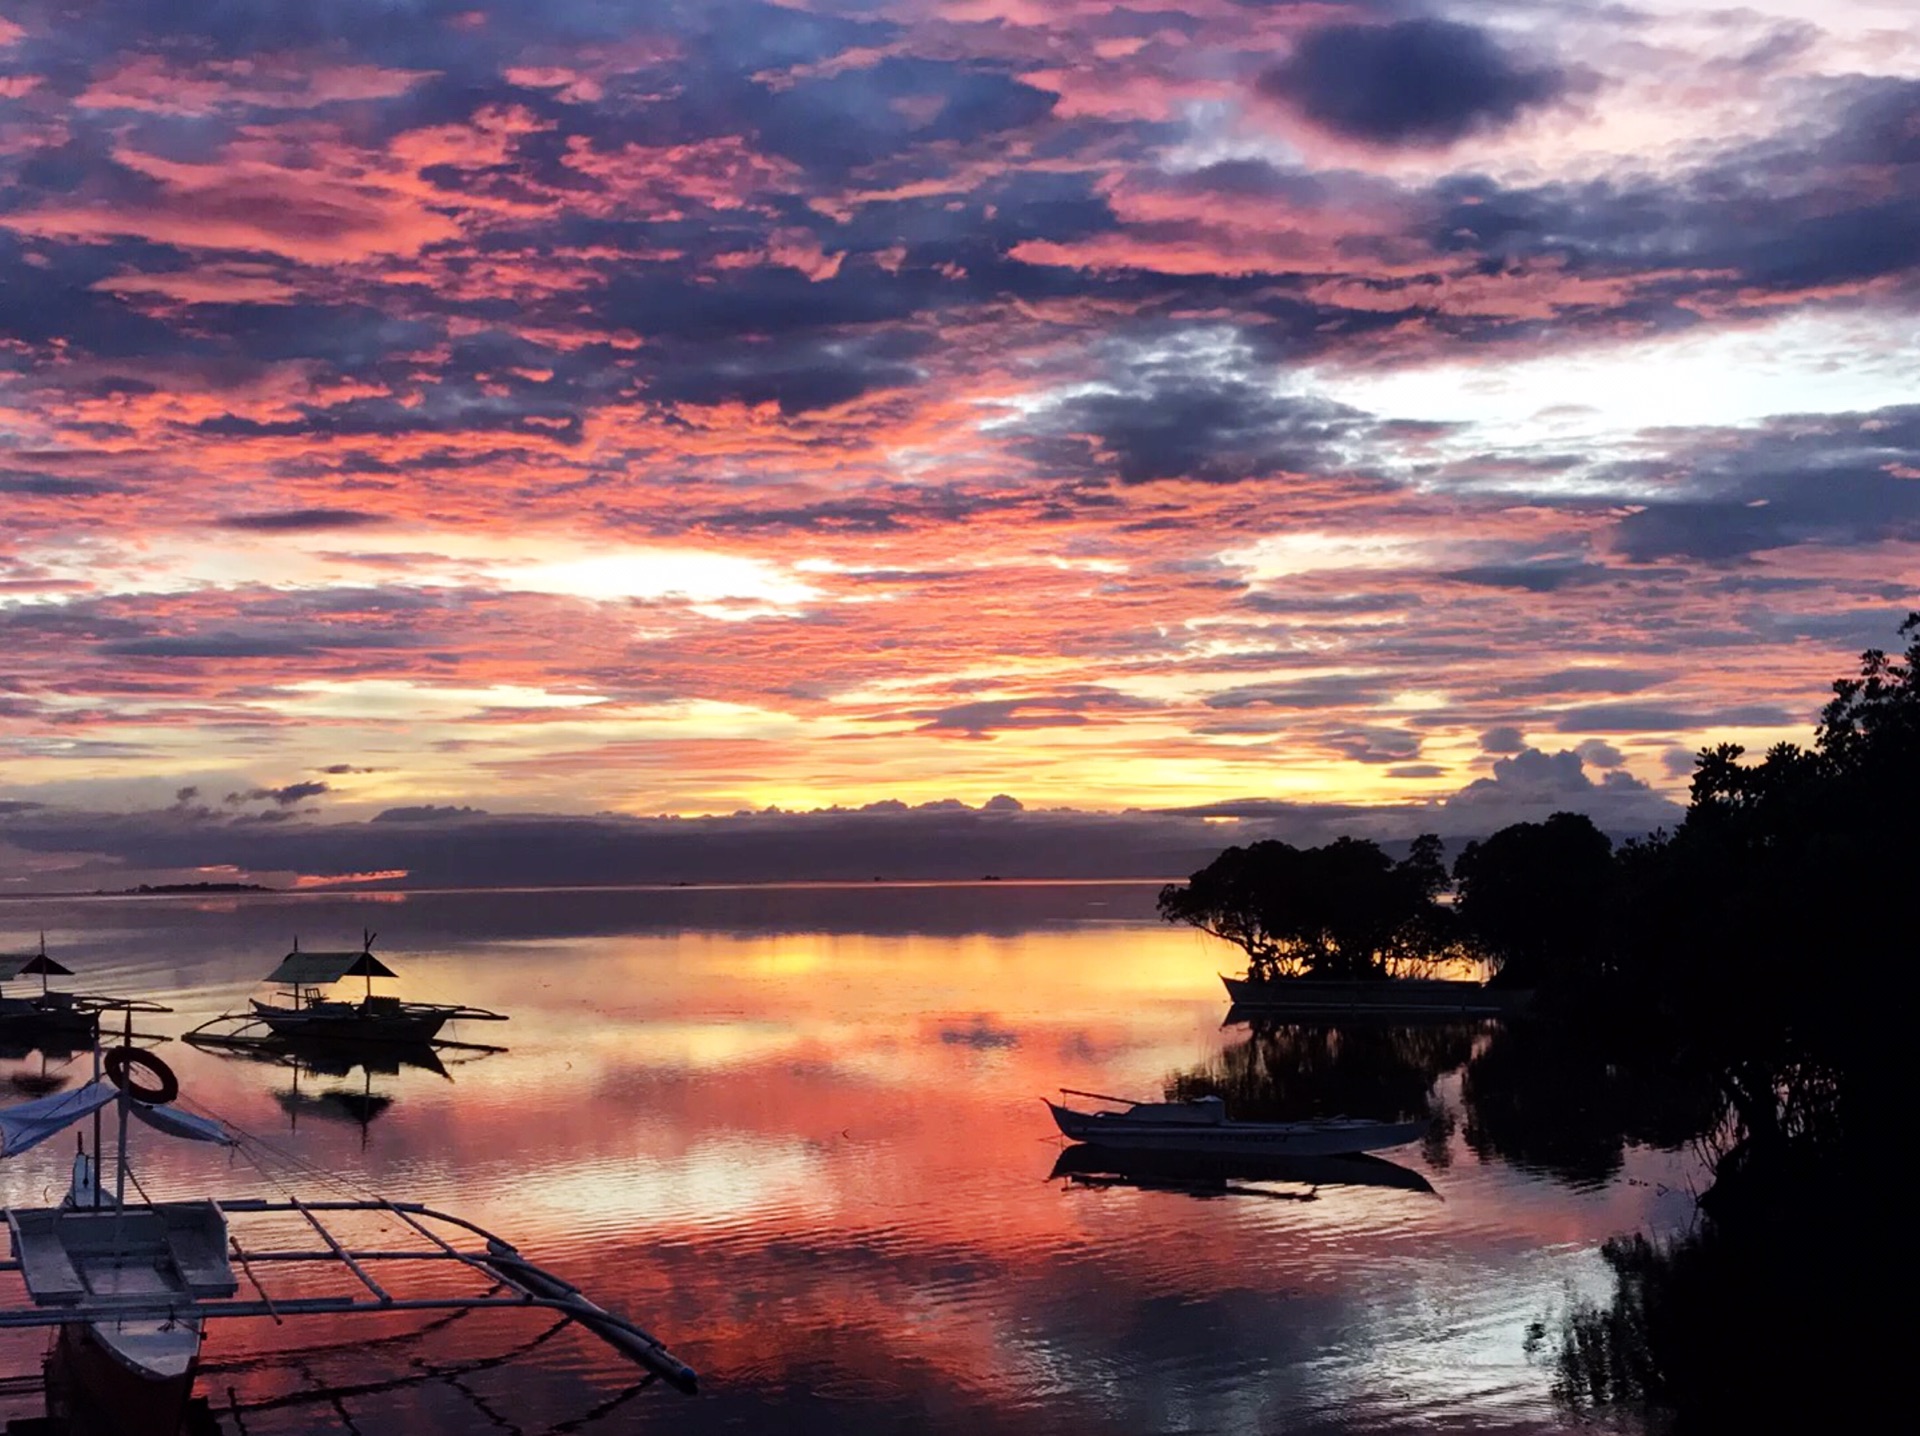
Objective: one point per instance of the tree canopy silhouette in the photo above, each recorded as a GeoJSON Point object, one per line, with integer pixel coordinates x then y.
{"type": "Point", "coordinates": [1763, 923]}
{"type": "Point", "coordinates": [1345, 910]}
{"type": "Point", "coordinates": [1732, 982]}
{"type": "Point", "coordinates": [1537, 898]}
{"type": "Point", "coordinates": [1755, 924]}
{"type": "Point", "coordinates": [1758, 942]}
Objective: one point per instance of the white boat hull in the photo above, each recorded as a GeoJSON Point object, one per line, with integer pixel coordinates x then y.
{"type": "Point", "coordinates": [109, 1381]}
{"type": "Point", "coordinates": [1331, 1138]}
{"type": "Point", "coordinates": [154, 1354]}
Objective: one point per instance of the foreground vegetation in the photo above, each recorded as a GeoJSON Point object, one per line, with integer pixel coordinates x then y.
{"type": "Point", "coordinates": [1728, 983]}
{"type": "Point", "coordinates": [1776, 895]}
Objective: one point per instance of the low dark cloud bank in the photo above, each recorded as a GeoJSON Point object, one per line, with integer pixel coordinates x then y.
{"type": "Point", "coordinates": [461, 846]}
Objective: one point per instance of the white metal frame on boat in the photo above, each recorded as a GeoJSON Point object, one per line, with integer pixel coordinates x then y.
{"type": "Point", "coordinates": [529, 1285]}
{"type": "Point", "coordinates": [56, 1250]}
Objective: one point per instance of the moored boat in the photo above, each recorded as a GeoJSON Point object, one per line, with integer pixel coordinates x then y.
{"type": "Point", "coordinates": [1202, 1126]}
{"type": "Point", "coordinates": [126, 1276]}
{"type": "Point", "coordinates": [101, 1392]}
{"type": "Point", "coordinates": [47, 1013]}
{"type": "Point", "coordinates": [372, 1019]}
{"type": "Point", "coordinates": [134, 1374]}
{"type": "Point", "coordinates": [1396, 996]}
{"type": "Point", "coordinates": [305, 1009]}
{"type": "Point", "coordinates": [129, 1286]}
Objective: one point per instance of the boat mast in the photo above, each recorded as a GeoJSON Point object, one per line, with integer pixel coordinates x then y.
{"type": "Point", "coordinates": [96, 1115]}
{"type": "Point", "coordinates": [120, 1174]}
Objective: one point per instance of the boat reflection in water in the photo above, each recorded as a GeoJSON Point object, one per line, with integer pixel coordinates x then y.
{"type": "Point", "coordinates": [324, 1060]}
{"type": "Point", "coordinates": [343, 1103]}
{"type": "Point", "coordinates": [1203, 1174]}
{"type": "Point", "coordinates": [45, 1077]}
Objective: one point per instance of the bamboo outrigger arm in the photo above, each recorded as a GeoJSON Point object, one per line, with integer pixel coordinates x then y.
{"type": "Point", "coordinates": [100, 1002]}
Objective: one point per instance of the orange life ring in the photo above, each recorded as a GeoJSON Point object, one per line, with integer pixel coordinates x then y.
{"type": "Point", "coordinates": [121, 1064]}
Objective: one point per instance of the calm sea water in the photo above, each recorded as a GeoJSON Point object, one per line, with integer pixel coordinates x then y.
{"type": "Point", "coordinates": [795, 1133]}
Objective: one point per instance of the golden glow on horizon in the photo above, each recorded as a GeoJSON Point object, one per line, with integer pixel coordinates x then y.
{"type": "Point", "coordinates": [526, 774]}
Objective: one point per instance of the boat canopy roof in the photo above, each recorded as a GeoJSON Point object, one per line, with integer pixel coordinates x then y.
{"type": "Point", "coordinates": [316, 969]}
{"type": "Point", "coordinates": [22, 964]}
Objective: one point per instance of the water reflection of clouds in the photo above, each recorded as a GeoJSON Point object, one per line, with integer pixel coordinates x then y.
{"type": "Point", "coordinates": [981, 1035]}
{"type": "Point", "coordinates": [816, 1164]}
{"type": "Point", "coordinates": [717, 1183]}
{"type": "Point", "coordinates": [686, 1045]}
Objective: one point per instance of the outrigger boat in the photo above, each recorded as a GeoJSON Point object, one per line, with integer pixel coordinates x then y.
{"type": "Point", "coordinates": [101, 1263]}
{"type": "Point", "coordinates": [130, 1285]}
{"type": "Point", "coordinates": [308, 1014]}
{"type": "Point", "coordinates": [1201, 1126]}
{"type": "Point", "coordinates": [48, 1013]}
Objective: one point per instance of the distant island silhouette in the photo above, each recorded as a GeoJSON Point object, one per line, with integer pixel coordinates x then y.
{"type": "Point", "coordinates": [150, 889]}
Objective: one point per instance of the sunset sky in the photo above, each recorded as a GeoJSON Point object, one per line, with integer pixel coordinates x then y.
{"type": "Point", "coordinates": [673, 409]}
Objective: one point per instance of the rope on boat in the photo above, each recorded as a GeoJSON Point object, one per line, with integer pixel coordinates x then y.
{"type": "Point", "coordinates": [251, 1145]}
{"type": "Point", "coordinates": [333, 1180]}
{"type": "Point", "coordinates": [132, 1176]}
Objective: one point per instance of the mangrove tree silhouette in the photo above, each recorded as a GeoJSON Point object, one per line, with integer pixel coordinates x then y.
{"type": "Point", "coordinates": [1345, 910]}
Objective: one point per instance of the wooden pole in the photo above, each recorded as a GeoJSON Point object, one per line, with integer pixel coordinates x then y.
{"type": "Point", "coordinates": [1100, 1096]}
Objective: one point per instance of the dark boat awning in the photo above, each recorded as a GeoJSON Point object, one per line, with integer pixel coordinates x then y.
{"type": "Point", "coordinates": [316, 969]}
{"type": "Point", "coordinates": [25, 964]}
